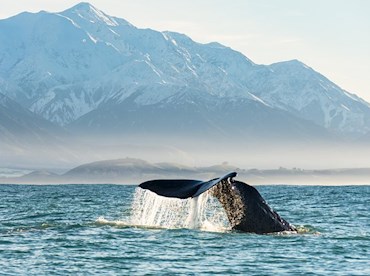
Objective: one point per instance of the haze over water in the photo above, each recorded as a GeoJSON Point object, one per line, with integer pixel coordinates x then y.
{"type": "Point", "coordinates": [91, 229]}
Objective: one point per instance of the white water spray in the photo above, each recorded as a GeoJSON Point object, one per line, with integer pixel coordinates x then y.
{"type": "Point", "coordinates": [203, 212]}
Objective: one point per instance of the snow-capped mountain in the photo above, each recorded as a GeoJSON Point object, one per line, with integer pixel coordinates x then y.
{"type": "Point", "coordinates": [86, 70]}
{"type": "Point", "coordinates": [297, 88]}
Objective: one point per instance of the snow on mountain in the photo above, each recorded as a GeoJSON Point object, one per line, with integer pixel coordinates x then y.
{"type": "Point", "coordinates": [297, 88]}
{"type": "Point", "coordinates": [43, 54]}
{"type": "Point", "coordinates": [191, 115]}
{"type": "Point", "coordinates": [80, 66]}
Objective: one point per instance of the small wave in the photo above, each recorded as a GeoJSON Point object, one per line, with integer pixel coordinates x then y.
{"type": "Point", "coordinates": [43, 227]}
{"type": "Point", "coordinates": [301, 230]}
{"type": "Point", "coordinates": [206, 226]}
{"type": "Point", "coordinates": [307, 229]}
{"type": "Point", "coordinates": [211, 227]}
{"type": "Point", "coordinates": [103, 221]}
{"type": "Point", "coordinates": [30, 228]}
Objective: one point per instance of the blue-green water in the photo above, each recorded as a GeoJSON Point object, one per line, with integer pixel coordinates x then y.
{"type": "Point", "coordinates": [59, 230]}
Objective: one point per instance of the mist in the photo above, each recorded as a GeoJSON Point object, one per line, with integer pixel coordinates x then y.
{"type": "Point", "coordinates": [253, 154]}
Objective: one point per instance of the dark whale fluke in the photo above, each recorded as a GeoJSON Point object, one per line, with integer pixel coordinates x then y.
{"type": "Point", "coordinates": [245, 208]}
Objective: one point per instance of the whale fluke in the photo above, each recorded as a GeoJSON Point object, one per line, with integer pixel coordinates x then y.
{"type": "Point", "coordinates": [182, 188]}
{"type": "Point", "coordinates": [245, 208]}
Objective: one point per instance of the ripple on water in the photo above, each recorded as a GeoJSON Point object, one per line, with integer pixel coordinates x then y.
{"type": "Point", "coordinates": [88, 229]}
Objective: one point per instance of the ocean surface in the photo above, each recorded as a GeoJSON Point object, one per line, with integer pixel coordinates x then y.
{"type": "Point", "coordinates": [122, 230]}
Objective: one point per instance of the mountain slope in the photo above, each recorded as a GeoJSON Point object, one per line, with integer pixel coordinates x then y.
{"type": "Point", "coordinates": [18, 125]}
{"type": "Point", "coordinates": [298, 89]}
{"type": "Point", "coordinates": [27, 139]}
{"type": "Point", "coordinates": [193, 115]}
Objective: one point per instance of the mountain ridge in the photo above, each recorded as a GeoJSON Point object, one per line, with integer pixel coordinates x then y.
{"type": "Point", "coordinates": [98, 75]}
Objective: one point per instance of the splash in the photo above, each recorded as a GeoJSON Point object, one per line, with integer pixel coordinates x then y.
{"type": "Point", "coordinates": [203, 212]}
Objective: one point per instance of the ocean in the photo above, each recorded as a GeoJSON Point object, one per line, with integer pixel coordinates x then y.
{"type": "Point", "coordinates": [123, 230]}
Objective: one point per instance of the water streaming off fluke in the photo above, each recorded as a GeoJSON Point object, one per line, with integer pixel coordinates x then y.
{"type": "Point", "coordinates": [203, 212]}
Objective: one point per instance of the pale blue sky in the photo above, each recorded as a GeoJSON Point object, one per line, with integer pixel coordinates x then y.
{"type": "Point", "coordinates": [332, 36]}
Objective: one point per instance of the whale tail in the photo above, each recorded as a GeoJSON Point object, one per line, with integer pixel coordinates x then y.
{"type": "Point", "coordinates": [245, 208]}
{"type": "Point", "coordinates": [183, 188]}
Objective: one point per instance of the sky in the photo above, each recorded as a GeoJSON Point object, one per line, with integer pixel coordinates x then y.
{"type": "Point", "coordinates": [331, 36]}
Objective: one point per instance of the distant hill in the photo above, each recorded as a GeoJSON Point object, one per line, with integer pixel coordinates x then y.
{"type": "Point", "coordinates": [134, 171]}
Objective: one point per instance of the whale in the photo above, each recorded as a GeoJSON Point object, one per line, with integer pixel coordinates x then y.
{"type": "Point", "coordinates": [244, 206]}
